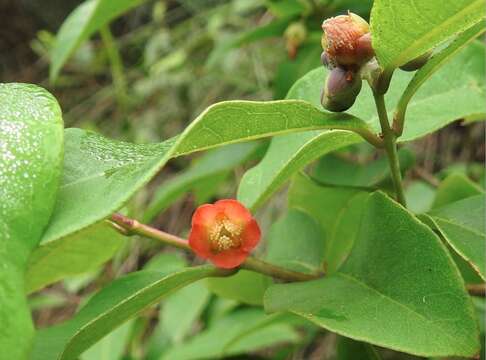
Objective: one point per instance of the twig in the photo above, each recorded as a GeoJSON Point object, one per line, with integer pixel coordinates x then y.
{"type": "Point", "coordinates": [128, 226]}
{"type": "Point", "coordinates": [476, 289]}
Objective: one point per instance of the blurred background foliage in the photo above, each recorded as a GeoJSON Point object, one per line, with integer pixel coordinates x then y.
{"type": "Point", "coordinates": [144, 79]}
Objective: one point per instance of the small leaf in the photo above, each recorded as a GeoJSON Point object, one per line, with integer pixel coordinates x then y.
{"type": "Point", "coordinates": [83, 22]}
{"type": "Point", "coordinates": [246, 286]}
{"type": "Point", "coordinates": [296, 242]}
{"type": "Point", "coordinates": [31, 146]}
{"type": "Point", "coordinates": [334, 170]}
{"type": "Point", "coordinates": [420, 197]}
{"type": "Point", "coordinates": [74, 254]}
{"type": "Point", "coordinates": [108, 309]}
{"type": "Point", "coordinates": [462, 223]}
{"type": "Point", "coordinates": [396, 289]}
{"type": "Point", "coordinates": [435, 63]}
{"type": "Point", "coordinates": [239, 332]}
{"type": "Point", "coordinates": [336, 209]}
{"type": "Point", "coordinates": [181, 309]}
{"type": "Point", "coordinates": [403, 30]}
{"type": "Point", "coordinates": [454, 188]}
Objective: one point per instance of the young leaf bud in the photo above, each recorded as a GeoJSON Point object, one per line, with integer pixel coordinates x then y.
{"type": "Point", "coordinates": [346, 40]}
{"type": "Point", "coordinates": [417, 63]}
{"type": "Point", "coordinates": [340, 90]}
{"type": "Point", "coordinates": [295, 35]}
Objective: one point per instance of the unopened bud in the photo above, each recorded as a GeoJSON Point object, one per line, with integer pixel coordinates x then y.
{"type": "Point", "coordinates": [340, 90]}
{"type": "Point", "coordinates": [417, 63]}
{"type": "Point", "coordinates": [295, 35]}
{"type": "Point", "coordinates": [346, 40]}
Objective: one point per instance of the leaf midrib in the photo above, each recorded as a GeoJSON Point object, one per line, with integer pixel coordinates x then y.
{"type": "Point", "coordinates": [128, 299]}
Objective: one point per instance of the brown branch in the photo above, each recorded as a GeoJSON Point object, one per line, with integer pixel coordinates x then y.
{"type": "Point", "coordinates": [128, 227]}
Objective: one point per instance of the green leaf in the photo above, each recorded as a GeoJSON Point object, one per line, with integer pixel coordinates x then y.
{"type": "Point", "coordinates": [239, 332]}
{"type": "Point", "coordinates": [274, 28]}
{"type": "Point", "coordinates": [348, 349]}
{"type": "Point", "coordinates": [420, 197]}
{"type": "Point", "coordinates": [216, 162]}
{"type": "Point", "coordinates": [454, 92]}
{"type": "Point", "coordinates": [454, 188]}
{"type": "Point", "coordinates": [462, 224]}
{"type": "Point", "coordinates": [285, 156]}
{"type": "Point", "coordinates": [74, 254]}
{"type": "Point", "coordinates": [109, 308]}
{"type": "Point", "coordinates": [403, 30]}
{"type": "Point", "coordinates": [336, 209]}
{"type": "Point", "coordinates": [83, 22]}
{"type": "Point", "coordinates": [435, 63]}
{"type": "Point", "coordinates": [112, 346]}
{"type": "Point", "coordinates": [296, 242]}
{"type": "Point", "coordinates": [100, 175]}
{"type": "Point", "coordinates": [396, 289]}
{"type": "Point", "coordinates": [335, 170]}
{"type": "Point", "coordinates": [180, 311]}
{"type": "Point", "coordinates": [31, 146]}
{"type": "Point", "coordinates": [246, 286]}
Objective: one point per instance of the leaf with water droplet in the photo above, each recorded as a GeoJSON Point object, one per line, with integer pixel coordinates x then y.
{"type": "Point", "coordinates": [31, 145]}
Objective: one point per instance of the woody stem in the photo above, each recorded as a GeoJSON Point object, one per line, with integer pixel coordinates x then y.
{"type": "Point", "coordinates": [128, 227]}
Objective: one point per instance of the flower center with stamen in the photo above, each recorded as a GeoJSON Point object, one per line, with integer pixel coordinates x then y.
{"type": "Point", "coordinates": [225, 235]}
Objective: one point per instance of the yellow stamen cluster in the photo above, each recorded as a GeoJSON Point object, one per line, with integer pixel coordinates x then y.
{"type": "Point", "coordinates": [225, 235]}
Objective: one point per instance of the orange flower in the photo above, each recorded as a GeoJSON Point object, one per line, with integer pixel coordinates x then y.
{"type": "Point", "coordinates": [224, 232]}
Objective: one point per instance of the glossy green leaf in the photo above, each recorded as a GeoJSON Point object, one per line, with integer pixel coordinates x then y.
{"type": "Point", "coordinates": [31, 145]}
{"type": "Point", "coordinates": [109, 308]}
{"type": "Point", "coordinates": [336, 209]}
{"type": "Point", "coordinates": [100, 175]}
{"type": "Point", "coordinates": [403, 30]}
{"type": "Point", "coordinates": [453, 92]}
{"type": "Point", "coordinates": [74, 254]}
{"type": "Point", "coordinates": [239, 332]}
{"type": "Point", "coordinates": [455, 187]}
{"type": "Point", "coordinates": [435, 63]}
{"type": "Point", "coordinates": [396, 289]}
{"type": "Point", "coordinates": [296, 242]}
{"type": "Point", "coordinates": [216, 162]}
{"type": "Point", "coordinates": [83, 22]}
{"type": "Point", "coordinates": [462, 224]}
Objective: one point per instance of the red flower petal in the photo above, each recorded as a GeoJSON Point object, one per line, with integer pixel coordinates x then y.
{"type": "Point", "coordinates": [206, 215]}
{"type": "Point", "coordinates": [251, 235]}
{"type": "Point", "coordinates": [229, 259]}
{"type": "Point", "coordinates": [234, 211]}
{"type": "Point", "coordinates": [224, 233]}
{"type": "Point", "coordinates": [199, 241]}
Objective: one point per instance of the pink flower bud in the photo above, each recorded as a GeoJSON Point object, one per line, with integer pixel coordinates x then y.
{"type": "Point", "coordinates": [346, 40]}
